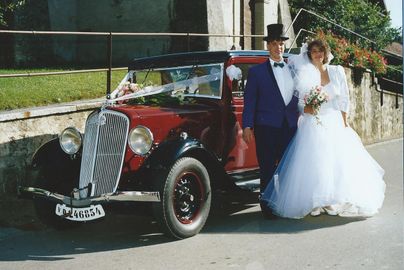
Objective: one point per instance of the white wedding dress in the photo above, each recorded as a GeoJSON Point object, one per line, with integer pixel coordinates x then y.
{"type": "Point", "coordinates": [325, 164]}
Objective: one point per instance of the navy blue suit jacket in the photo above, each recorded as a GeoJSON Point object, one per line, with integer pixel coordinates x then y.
{"type": "Point", "coordinates": [263, 102]}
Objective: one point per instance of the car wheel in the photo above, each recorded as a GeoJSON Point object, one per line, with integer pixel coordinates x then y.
{"type": "Point", "coordinates": [185, 198]}
{"type": "Point", "coordinates": [45, 209]}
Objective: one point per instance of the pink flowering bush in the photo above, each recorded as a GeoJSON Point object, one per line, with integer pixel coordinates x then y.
{"type": "Point", "coordinates": [348, 54]}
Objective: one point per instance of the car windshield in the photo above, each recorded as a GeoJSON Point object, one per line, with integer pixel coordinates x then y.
{"type": "Point", "coordinates": [185, 81]}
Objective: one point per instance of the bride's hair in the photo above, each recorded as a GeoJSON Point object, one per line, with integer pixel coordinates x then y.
{"type": "Point", "coordinates": [322, 45]}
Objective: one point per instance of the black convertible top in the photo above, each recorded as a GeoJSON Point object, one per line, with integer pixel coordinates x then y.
{"type": "Point", "coordinates": [190, 58]}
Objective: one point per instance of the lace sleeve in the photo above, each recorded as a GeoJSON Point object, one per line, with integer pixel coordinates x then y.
{"type": "Point", "coordinates": [343, 101]}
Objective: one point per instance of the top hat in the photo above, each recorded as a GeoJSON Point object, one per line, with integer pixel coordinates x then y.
{"type": "Point", "coordinates": [275, 31]}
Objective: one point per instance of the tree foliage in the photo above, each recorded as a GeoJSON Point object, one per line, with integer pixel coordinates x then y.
{"type": "Point", "coordinates": [7, 9]}
{"type": "Point", "coordinates": [360, 16]}
{"type": "Point", "coordinates": [32, 50]}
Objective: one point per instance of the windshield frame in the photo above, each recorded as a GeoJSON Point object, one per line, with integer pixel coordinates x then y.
{"type": "Point", "coordinates": [131, 74]}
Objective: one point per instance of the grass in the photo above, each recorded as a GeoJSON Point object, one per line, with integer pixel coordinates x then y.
{"type": "Point", "coordinates": [25, 92]}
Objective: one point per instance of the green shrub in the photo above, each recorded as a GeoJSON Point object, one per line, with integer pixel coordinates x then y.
{"type": "Point", "coordinates": [24, 92]}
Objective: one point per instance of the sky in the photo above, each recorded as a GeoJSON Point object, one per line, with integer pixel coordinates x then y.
{"type": "Point", "coordinates": [396, 12]}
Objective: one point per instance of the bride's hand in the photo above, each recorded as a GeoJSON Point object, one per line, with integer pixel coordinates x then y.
{"type": "Point", "coordinates": [308, 109]}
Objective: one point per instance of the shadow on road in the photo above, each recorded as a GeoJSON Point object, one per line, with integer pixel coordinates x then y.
{"type": "Point", "coordinates": [115, 232]}
{"type": "Point", "coordinates": [240, 213]}
{"type": "Point", "coordinates": [231, 213]}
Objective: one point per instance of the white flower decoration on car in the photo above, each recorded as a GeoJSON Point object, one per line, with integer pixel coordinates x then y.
{"type": "Point", "coordinates": [128, 88]}
{"type": "Point", "coordinates": [234, 73]}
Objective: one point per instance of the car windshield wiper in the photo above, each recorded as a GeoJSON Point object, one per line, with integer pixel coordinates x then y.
{"type": "Point", "coordinates": [145, 77]}
{"type": "Point", "coordinates": [192, 72]}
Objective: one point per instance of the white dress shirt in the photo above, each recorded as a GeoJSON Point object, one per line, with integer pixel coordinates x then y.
{"type": "Point", "coordinates": [284, 80]}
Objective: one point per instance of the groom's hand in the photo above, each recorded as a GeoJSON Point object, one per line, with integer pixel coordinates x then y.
{"type": "Point", "coordinates": [248, 135]}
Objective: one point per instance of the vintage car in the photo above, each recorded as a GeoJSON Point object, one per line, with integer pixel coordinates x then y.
{"type": "Point", "coordinates": [167, 137]}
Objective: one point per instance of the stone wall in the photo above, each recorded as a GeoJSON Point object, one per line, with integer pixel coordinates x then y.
{"type": "Point", "coordinates": [23, 131]}
{"type": "Point", "coordinates": [373, 122]}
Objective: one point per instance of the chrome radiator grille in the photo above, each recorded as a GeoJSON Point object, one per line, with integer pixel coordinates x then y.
{"type": "Point", "coordinates": [105, 139]}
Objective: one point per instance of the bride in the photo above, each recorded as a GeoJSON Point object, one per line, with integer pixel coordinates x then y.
{"type": "Point", "coordinates": [325, 168]}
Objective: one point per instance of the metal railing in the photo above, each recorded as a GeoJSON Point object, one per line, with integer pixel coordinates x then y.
{"type": "Point", "coordinates": [329, 21]}
{"type": "Point", "coordinates": [336, 24]}
{"type": "Point", "coordinates": [109, 36]}
{"type": "Point", "coordinates": [297, 36]}
{"type": "Point", "coordinates": [36, 74]}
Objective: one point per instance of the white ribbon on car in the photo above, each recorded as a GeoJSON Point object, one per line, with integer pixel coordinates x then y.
{"type": "Point", "coordinates": [179, 86]}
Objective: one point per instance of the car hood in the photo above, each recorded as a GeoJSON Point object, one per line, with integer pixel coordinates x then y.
{"type": "Point", "coordinates": [165, 122]}
{"type": "Point", "coordinates": [143, 112]}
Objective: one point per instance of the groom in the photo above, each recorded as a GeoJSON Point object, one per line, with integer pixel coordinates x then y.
{"type": "Point", "coordinates": [270, 107]}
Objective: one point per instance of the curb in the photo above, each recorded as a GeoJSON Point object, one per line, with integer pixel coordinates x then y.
{"type": "Point", "coordinates": [69, 107]}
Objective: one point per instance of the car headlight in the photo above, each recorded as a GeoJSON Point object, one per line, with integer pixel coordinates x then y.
{"type": "Point", "coordinates": [70, 140]}
{"type": "Point", "coordinates": [140, 140]}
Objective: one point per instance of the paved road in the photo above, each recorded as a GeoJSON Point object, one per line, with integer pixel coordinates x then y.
{"type": "Point", "coordinates": [235, 237]}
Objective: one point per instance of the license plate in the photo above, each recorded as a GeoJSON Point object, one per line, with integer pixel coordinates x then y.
{"type": "Point", "coordinates": [80, 214]}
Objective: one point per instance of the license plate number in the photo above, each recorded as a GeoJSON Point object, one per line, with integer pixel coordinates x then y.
{"type": "Point", "coordinates": [80, 214]}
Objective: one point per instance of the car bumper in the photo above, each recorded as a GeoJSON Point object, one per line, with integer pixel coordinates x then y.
{"type": "Point", "coordinates": [121, 196]}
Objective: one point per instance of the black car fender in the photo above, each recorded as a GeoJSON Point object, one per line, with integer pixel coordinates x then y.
{"type": "Point", "coordinates": [48, 151]}
{"type": "Point", "coordinates": [163, 157]}
{"type": "Point", "coordinates": [55, 163]}
{"type": "Point", "coordinates": [45, 151]}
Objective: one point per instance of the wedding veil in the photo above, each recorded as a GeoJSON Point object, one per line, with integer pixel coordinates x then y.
{"type": "Point", "coordinates": [306, 76]}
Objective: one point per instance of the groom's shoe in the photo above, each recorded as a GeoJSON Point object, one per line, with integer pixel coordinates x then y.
{"type": "Point", "coordinates": [266, 211]}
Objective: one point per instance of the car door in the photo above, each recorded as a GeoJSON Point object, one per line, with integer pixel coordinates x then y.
{"type": "Point", "coordinates": [242, 156]}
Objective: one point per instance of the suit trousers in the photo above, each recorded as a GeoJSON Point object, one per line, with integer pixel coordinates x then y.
{"type": "Point", "coordinates": [271, 142]}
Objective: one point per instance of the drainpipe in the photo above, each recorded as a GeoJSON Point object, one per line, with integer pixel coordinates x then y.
{"type": "Point", "coordinates": [234, 22]}
{"type": "Point", "coordinates": [259, 22]}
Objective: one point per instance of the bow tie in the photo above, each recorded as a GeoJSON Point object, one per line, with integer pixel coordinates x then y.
{"type": "Point", "coordinates": [279, 64]}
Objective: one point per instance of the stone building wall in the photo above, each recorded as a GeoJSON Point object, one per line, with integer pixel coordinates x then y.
{"type": "Point", "coordinates": [245, 17]}
{"type": "Point", "coordinates": [224, 17]}
{"type": "Point", "coordinates": [158, 16]}
{"type": "Point", "coordinates": [109, 16]}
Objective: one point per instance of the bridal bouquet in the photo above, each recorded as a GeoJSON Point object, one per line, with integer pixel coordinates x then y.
{"type": "Point", "coordinates": [315, 98]}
